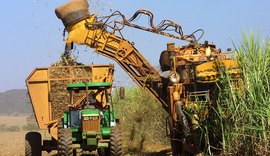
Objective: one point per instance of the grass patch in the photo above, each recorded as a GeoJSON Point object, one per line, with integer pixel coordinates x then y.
{"type": "Point", "coordinates": [244, 113]}
{"type": "Point", "coordinates": [142, 119]}
{"type": "Point", "coordinates": [30, 127]}
{"type": "Point", "coordinates": [7, 128]}
{"type": "Point", "coordinates": [17, 128]}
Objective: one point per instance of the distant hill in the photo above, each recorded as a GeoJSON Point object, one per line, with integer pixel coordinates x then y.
{"type": "Point", "coordinates": [15, 102]}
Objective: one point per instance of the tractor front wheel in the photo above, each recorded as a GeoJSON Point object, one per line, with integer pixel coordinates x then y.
{"type": "Point", "coordinates": [116, 144]}
{"type": "Point", "coordinates": [65, 142]}
{"type": "Point", "coordinates": [33, 144]}
{"type": "Point", "coordinates": [103, 152]}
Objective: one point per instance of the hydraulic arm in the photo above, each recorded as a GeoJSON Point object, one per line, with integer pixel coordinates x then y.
{"type": "Point", "coordinates": [86, 29]}
{"type": "Point", "coordinates": [93, 33]}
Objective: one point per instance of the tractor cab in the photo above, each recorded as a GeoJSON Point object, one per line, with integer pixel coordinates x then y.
{"type": "Point", "coordinates": [95, 94]}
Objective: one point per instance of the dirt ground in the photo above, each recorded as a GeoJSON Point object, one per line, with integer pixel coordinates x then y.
{"type": "Point", "coordinates": [13, 120]}
{"type": "Point", "coordinates": [12, 143]}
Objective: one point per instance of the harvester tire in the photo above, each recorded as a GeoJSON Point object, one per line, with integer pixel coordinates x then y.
{"type": "Point", "coordinates": [185, 133]}
{"type": "Point", "coordinates": [182, 120]}
{"type": "Point", "coordinates": [33, 144]}
{"type": "Point", "coordinates": [176, 141]}
{"type": "Point", "coordinates": [65, 142]}
{"type": "Point", "coordinates": [116, 144]}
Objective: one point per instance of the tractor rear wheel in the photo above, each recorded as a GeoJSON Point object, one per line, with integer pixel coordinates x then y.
{"type": "Point", "coordinates": [116, 144]}
{"type": "Point", "coordinates": [65, 142]}
{"type": "Point", "coordinates": [33, 144]}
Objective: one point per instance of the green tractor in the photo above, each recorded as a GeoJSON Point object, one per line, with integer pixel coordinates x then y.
{"type": "Point", "coordinates": [90, 124]}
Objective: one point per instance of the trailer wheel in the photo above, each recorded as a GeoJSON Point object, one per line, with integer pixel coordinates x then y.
{"type": "Point", "coordinates": [116, 144]}
{"type": "Point", "coordinates": [33, 144]}
{"type": "Point", "coordinates": [65, 142]}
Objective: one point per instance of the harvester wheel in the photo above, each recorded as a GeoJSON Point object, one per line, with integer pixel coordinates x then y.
{"type": "Point", "coordinates": [116, 144]}
{"type": "Point", "coordinates": [33, 144]}
{"type": "Point", "coordinates": [182, 120]}
{"type": "Point", "coordinates": [188, 145]}
{"type": "Point", "coordinates": [65, 142]}
{"type": "Point", "coordinates": [176, 141]}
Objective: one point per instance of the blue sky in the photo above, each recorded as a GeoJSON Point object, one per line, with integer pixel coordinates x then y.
{"type": "Point", "coordinates": [31, 34]}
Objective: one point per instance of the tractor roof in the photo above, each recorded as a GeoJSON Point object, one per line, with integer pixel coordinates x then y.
{"type": "Point", "coordinates": [91, 85]}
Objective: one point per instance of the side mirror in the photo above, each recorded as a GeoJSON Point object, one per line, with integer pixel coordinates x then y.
{"type": "Point", "coordinates": [122, 93]}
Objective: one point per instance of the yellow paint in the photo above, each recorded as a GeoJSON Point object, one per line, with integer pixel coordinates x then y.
{"type": "Point", "coordinates": [210, 71]}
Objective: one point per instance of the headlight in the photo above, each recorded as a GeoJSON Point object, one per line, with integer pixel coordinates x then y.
{"type": "Point", "coordinates": [174, 77]}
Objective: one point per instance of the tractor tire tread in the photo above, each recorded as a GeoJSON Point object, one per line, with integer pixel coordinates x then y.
{"type": "Point", "coordinates": [65, 142]}
{"type": "Point", "coordinates": [116, 145]}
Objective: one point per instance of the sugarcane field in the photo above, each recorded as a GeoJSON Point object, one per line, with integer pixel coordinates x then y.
{"type": "Point", "coordinates": [135, 78]}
